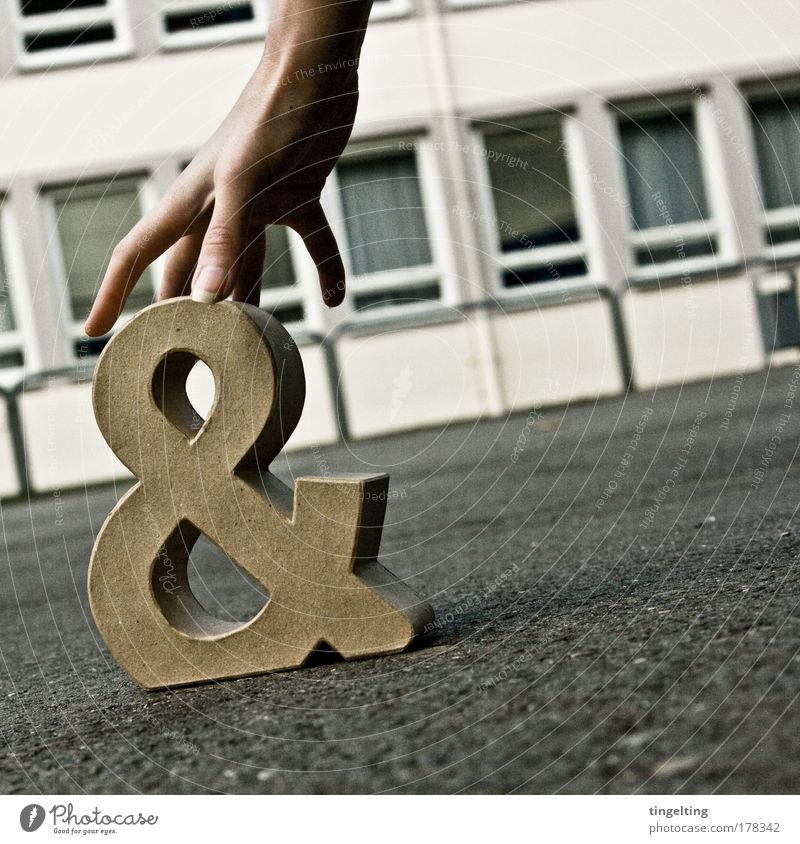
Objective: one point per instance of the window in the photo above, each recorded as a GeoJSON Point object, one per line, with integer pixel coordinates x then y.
{"type": "Point", "coordinates": [670, 213]}
{"type": "Point", "coordinates": [194, 22]}
{"type": "Point", "coordinates": [776, 129]}
{"type": "Point", "coordinates": [535, 229]}
{"type": "Point", "coordinates": [90, 219]}
{"type": "Point", "coordinates": [280, 293]}
{"type": "Point", "coordinates": [468, 3]}
{"type": "Point", "coordinates": [10, 339]}
{"type": "Point", "coordinates": [185, 23]}
{"type": "Point", "coordinates": [388, 248]}
{"type": "Point", "coordinates": [69, 31]}
{"type": "Point", "coordinates": [389, 8]}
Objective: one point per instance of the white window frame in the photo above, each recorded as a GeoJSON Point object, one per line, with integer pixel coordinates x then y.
{"type": "Point", "coordinates": [293, 294]}
{"type": "Point", "coordinates": [57, 259]}
{"type": "Point", "coordinates": [538, 256]}
{"type": "Point", "coordinates": [714, 185]}
{"type": "Point", "coordinates": [439, 271]}
{"type": "Point", "coordinates": [15, 339]}
{"type": "Point", "coordinates": [788, 214]}
{"type": "Point", "coordinates": [203, 36]}
{"type": "Point", "coordinates": [776, 217]}
{"type": "Point", "coordinates": [471, 4]}
{"type": "Point", "coordinates": [390, 9]}
{"type": "Point", "coordinates": [114, 12]}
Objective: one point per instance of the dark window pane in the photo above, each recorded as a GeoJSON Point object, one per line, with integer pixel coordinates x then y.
{"type": "Point", "coordinates": [6, 313]}
{"type": "Point", "coordinates": [90, 347]}
{"type": "Point", "coordinates": [207, 19]}
{"type": "Point", "coordinates": [776, 126]}
{"type": "Point", "coordinates": [662, 165]}
{"type": "Point", "coordinates": [780, 321]}
{"type": "Point", "coordinates": [548, 272]}
{"type": "Point", "coordinates": [287, 313]}
{"type": "Point", "coordinates": [365, 301]}
{"type": "Point", "coordinates": [11, 359]}
{"type": "Point", "coordinates": [46, 7]}
{"type": "Point", "coordinates": [278, 269]}
{"type": "Point", "coordinates": [530, 185]}
{"type": "Point", "coordinates": [783, 233]}
{"type": "Point", "coordinates": [678, 251]}
{"type": "Point", "coordinates": [71, 38]}
{"type": "Point", "coordinates": [384, 214]}
{"type": "Point", "coordinates": [92, 218]}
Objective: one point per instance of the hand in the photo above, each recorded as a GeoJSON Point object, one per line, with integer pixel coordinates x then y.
{"type": "Point", "coordinates": [266, 164]}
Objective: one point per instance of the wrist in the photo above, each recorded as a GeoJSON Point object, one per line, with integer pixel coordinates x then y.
{"type": "Point", "coordinates": [311, 75]}
{"type": "Point", "coordinates": [315, 45]}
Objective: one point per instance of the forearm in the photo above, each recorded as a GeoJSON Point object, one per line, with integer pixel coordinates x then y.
{"type": "Point", "coordinates": [315, 45]}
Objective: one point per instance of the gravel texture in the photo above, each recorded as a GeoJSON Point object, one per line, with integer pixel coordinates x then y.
{"type": "Point", "coordinates": [593, 634]}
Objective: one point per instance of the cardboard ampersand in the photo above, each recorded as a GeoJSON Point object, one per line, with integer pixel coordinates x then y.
{"type": "Point", "coordinates": [314, 550]}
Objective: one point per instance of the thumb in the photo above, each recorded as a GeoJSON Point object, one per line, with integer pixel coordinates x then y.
{"type": "Point", "coordinates": [222, 247]}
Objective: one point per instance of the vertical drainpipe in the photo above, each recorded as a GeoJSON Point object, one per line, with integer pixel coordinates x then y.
{"type": "Point", "coordinates": [453, 164]}
{"type": "Point", "coordinates": [602, 207]}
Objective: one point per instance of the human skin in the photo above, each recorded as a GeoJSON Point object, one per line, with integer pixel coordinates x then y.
{"type": "Point", "coordinates": [266, 164]}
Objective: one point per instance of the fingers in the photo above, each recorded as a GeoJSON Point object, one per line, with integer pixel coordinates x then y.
{"type": "Point", "coordinates": [312, 225]}
{"type": "Point", "coordinates": [222, 248]}
{"type": "Point", "coordinates": [250, 269]}
{"type": "Point", "coordinates": [180, 266]}
{"type": "Point", "coordinates": [148, 239]}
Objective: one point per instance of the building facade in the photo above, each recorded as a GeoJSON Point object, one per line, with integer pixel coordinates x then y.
{"type": "Point", "coordinates": [542, 202]}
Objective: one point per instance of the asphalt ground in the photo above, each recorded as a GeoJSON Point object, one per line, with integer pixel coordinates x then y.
{"type": "Point", "coordinates": [617, 601]}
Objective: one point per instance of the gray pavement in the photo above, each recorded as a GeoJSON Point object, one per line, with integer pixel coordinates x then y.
{"type": "Point", "coordinates": [616, 586]}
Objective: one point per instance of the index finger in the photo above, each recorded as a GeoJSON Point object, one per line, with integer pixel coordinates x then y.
{"type": "Point", "coordinates": [148, 239]}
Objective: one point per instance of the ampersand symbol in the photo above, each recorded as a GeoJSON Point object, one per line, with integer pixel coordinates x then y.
{"type": "Point", "coordinates": [314, 550]}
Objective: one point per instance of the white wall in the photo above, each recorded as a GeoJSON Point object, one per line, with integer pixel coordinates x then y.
{"type": "Point", "coordinates": [110, 114]}
{"type": "Point", "coordinates": [409, 378]}
{"type": "Point", "coordinates": [515, 54]}
{"type": "Point", "coordinates": [690, 332]}
{"type": "Point", "coordinates": [9, 477]}
{"type": "Point", "coordinates": [63, 445]}
{"type": "Point", "coordinates": [558, 354]}
{"type": "Point", "coordinates": [541, 51]}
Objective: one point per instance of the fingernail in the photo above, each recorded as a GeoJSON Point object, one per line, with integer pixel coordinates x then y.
{"type": "Point", "coordinates": [205, 297]}
{"type": "Point", "coordinates": [207, 287]}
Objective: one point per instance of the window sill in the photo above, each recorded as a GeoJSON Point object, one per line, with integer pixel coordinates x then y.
{"type": "Point", "coordinates": [180, 42]}
{"type": "Point", "coordinates": [675, 274]}
{"type": "Point", "coordinates": [417, 315]}
{"type": "Point", "coordinates": [70, 57]}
